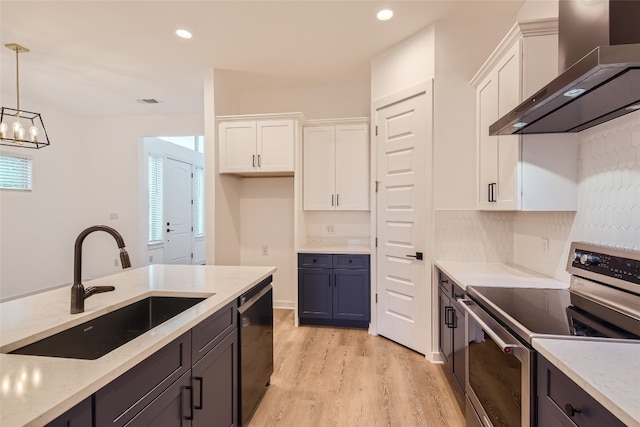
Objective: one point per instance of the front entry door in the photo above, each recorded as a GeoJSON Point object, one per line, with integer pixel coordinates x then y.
{"type": "Point", "coordinates": [403, 214]}
{"type": "Point", "coordinates": [178, 212]}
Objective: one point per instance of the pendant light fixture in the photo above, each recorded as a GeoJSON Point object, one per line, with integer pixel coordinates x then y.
{"type": "Point", "coordinates": [20, 128]}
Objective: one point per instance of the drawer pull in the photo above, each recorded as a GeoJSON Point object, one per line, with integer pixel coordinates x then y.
{"type": "Point", "coordinates": [570, 410]}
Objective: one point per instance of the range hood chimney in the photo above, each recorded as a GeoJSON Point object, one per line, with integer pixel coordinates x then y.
{"type": "Point", "coordinates": [599, 61]}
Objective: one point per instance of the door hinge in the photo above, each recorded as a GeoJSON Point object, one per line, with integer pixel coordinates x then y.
{"type": "Point", "coordinates": [376, 242]}
{"type": "Point", "coordinates": [376, 130]}
{"type": "Point", "coordinates": [191, 255]}
{"type": "Point", "coordinates": [377, 184]}
{"type": "Point", "coordinates": [376, 298]}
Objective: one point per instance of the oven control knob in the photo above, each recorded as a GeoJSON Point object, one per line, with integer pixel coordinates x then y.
{"type": "Point", "coordinates": [589, 259]}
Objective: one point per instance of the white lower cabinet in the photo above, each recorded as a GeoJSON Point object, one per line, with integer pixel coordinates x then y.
{"type": "Point", "coordinates": [336, 167]}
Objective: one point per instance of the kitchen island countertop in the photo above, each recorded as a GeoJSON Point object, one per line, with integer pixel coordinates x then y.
{"type": "Point", "coordinates": [36, 389]}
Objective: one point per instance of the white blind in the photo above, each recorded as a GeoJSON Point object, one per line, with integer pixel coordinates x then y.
{"type": "Point", "coordinates": [198, 201]}
{"type": "Point", "coordinates": [155, 198]}
{"type": "Point", "coordinates": [15, 173]}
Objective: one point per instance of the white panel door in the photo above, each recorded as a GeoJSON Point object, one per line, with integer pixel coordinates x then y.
{"type": "Point", "coordinates": [352, 167]}
{"type": "Point", "coordinates": [319, 169]}
{"type": "Point", "coordinates": [178, 212]}
{"type": "Point", "coordinates": [275, 146]}
{"type": "Point", "coordinates": [237, 142]}
{"type": "Point", "coordinates": [403, 210]}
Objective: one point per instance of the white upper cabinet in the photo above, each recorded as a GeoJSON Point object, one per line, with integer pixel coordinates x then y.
{"type": "Point", "coordinates": [251, 147]}
{"type": "Point", "coordinates": [533, 172]}
{"type": "Point", "coordinates": [336, 167]}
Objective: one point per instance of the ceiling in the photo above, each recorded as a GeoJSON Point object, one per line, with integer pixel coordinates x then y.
{"type": "Point", "coordinates": [99, 57]}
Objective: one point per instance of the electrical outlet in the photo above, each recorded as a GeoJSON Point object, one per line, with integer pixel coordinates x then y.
{"type": "Point", "coordinates": [265, 250]}
{"type": "Point", "coordinates": [331, 228]}
{"type": "Point", "coordinates": [545, 246]}
{"type": "Point", "coordinates": [113, 216]}
{"type": "Point", "coordinates": [115, 262]}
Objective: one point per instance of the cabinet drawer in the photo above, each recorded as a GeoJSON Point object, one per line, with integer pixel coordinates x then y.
{"type": "Point", "coordinates": [78, 416]}
{"type": "Point", "coordinates": [208, 333]}
{"type": "Point", "coordinates": [351, 261]}
{"type": "Point", "coordinates": [127, 395]}
{"type": "Point", "coordinates": [315, 260]}
{"type": "Point", "coordinates": [556, 391]}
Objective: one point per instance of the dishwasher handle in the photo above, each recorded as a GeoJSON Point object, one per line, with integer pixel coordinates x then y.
{"type": "Point", "coordinates": [246, 305]}
{"type": "Point", "coordinates": [506, 348]}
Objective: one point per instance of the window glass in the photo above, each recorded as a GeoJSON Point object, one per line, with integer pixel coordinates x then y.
{"type": "Point", "coordinates": [15, 173]}
{"type": "Point", "coordinates": [155, 198]}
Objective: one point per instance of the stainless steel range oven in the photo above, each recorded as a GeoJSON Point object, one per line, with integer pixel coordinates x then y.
{"type": "Point", "coordinates": [603, 300]}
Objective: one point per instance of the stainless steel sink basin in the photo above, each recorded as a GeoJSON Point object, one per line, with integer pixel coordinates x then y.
{"type": "Point", "coordinates": [97, 337]}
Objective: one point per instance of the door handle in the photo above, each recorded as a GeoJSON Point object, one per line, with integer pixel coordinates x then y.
{"type": "Point", "coordinates": [170, 229]}
{"type": "Point", "coordinates": [418, 256]}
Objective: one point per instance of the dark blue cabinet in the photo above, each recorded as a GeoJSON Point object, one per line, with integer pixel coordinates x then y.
{"type": "Point", "coordinates": [79, 416]}
{"type": "Point", "coordinates": [562, 403]}
{"type": "Point", "coordinates": [334, 289]}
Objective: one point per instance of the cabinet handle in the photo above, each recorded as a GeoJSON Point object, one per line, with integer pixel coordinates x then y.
{"type": "Point", "coordinates": [570, 410]}
{"type": "Point", "coordinates": [253, 161]}
{"type": "Point", "coordinates": [447, 316]}
{"type": "Point", "coordinates": [190, 405]}
{"type": "Point", "coordinates": [337, 200]}
{"type": "Point", "coordinates": [332, 200]}
{"type": "Point", "coordinates": [491, 192]}
{"type": "Point", "coordinates": [199, 398]}
{"type": "Point", "coordinates": [259, 161]}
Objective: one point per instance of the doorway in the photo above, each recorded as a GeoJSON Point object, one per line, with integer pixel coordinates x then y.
{"type": "Point", "coordinates": [172, 200]}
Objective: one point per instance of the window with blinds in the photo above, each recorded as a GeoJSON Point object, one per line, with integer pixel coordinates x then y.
{"type": "Point", "coordinates": [155, 198]}
{"type": "Point", "coordinates": [198, 201]}
{"type": "Point", "coordinates": [15, 173]}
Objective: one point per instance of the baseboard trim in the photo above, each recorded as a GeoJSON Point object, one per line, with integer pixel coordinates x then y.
{"type": "Point", "coordinates": [288, 305]}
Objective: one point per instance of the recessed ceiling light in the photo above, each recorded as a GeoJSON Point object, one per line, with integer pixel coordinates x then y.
{"type": "Point", "coordinates": [183, 34]}
{"type": "Point", "coordinates": [384, 14]}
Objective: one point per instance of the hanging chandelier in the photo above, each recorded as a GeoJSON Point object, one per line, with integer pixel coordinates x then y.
{"type": "Point", "coordinates": [20, 128]}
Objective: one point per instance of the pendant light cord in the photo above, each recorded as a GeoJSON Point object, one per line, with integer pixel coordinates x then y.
{"type": "Point", "coordinates": [17, 84]}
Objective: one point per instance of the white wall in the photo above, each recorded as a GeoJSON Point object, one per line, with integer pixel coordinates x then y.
{"type": "Point", "coordinates": [405, 65]}
{"type": "Point", "coordinates": [38, 228]}
{"type": "Point", "coordinates": [89, 172]}
{"type": "Point", "coordinates": [266, 220]}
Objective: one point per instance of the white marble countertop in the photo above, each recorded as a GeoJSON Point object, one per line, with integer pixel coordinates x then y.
{"type": "Point", "coordinates": [497, 274]}
{"type": "Point", "coordinates": [36, 389]}
{"type": "Point", "coordinates": [608, 370]}
{"type": "Point", "coordinates": [336, 249]}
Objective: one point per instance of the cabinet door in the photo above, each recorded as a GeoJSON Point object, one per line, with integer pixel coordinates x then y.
{"type": "Point", "coordinates": [458, 347]}
{"type": "Point", "coordinates": [78, 416]}
{"type": "Point", "coordinates": [215, 385]}
{"type": "Point", "coordinates": [351, 290]}
{"type": "Point", "coordinates": [319, 169]}
{"type": "Point", "coordinates": [509, 73]}
{"type": "Point", "coordinates": [237, 141]}
{"type": "Point", "coordinates": [315, 293]}
{"type": "Point", "coordinates": [275, 145]}
{"type": "Point", "coordinates": [352, 167]}
{"type": "Point", "coordinates": [487, 104]}
{"type": "Point", "coordinates": [445, 331]}
{"type": "Point", "coordinates": [173, 408]}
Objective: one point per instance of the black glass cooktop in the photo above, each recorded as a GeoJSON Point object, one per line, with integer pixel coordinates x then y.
{"type": "Point", "coordinates": [543, 311]}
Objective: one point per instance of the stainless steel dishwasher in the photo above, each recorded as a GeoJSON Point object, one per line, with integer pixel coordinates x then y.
{"type": "Point", "coordinates": [255, 319]}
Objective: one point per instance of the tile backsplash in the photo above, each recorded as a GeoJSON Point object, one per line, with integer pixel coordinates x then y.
{"type": "Point", "coordinates": [608, 210]}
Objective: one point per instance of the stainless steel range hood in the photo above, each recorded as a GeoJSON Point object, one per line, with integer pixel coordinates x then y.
{"type": "Point", "coordinates": [601, 39]}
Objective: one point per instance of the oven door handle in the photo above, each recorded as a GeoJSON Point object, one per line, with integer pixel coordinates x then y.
{"type": "Point", "coordinates": [506, 348]}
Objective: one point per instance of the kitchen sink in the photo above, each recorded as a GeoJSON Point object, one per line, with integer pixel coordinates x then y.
{"type": "Point", "coordinates": [97, 337]}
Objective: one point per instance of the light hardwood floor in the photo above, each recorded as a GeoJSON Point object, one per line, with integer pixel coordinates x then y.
{"type": "Point", "coordinates": [346, 377]}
